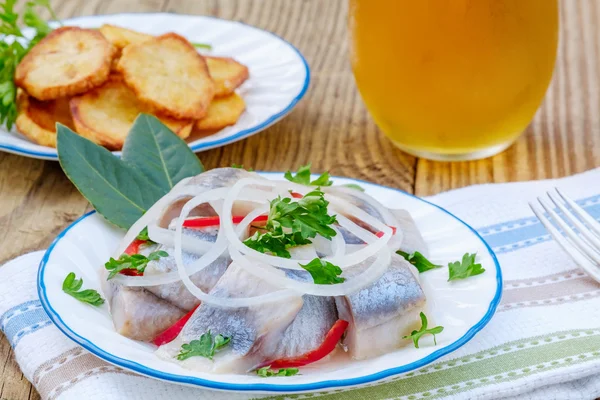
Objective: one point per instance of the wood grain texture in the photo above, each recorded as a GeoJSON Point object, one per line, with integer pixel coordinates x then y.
{"type": "Point", "coordinates": [329, 128]}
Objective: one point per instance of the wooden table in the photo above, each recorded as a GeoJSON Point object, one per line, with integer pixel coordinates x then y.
{"type": "Point", "coordinates": [330, 127]}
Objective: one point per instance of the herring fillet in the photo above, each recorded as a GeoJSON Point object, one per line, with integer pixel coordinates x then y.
{"type": "Point", "coordinates": [141, 313]}
{"type": "Point", "coordinates": [381, 313]}
{"type": "Point", "coordinates": [255, 331]}
{"type": "Point", "coordinates": [307, 332]}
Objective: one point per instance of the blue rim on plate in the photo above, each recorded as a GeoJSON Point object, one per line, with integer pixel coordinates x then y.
{"type": "Point", "coordinates": [51, 155]}
{"type": "Point", "coordinates": [257, 387]}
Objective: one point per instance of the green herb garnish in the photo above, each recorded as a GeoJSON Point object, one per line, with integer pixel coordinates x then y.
{"type": "Point", "coordinates": [303, 177]}
{"type": "Point", "coordinates": [302, 220]}
{"type": "Point", "coordinates": [71, 287]}
{"type": "Point", "coordinates": [416, 335]}
{"type": "Point", "coordinates": [12, 53]}
{"type": "Point", "coordinates": [241, 166]}
{"type": "Point", "coordinates": [136, 262]}
{"type": "Point", "coordinates": [267, 372]}
{"type": "Point", "coordinates": [465, 268]}
{"type": "Point", "coordinates": [354, 186]}
{"type": "Point", "coordinates": [205, 347]}
{"type": "Point", "coordinates": [204, 46]}
{"type": "Point", "coordinates": [143, 235]}
{"type": "Point", "coordinates": [419, 261]}
{"type": "Point", "coordinates": [324, 272]}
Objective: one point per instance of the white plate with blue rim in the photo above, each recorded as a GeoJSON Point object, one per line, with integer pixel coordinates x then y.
{"type": "Point", "coordinates": [279, 74]}
{"type": "Point", "coordinates": [462, 307]}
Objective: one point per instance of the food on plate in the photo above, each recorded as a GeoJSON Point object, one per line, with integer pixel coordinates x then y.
{"type": "Point", "coordinates": [257, 273]}
{"type": "Point", "coordinates": [84, 64]}
{"type": "Point", "coordinates": [176, 83]}
{"type": "Point", "coordinates": [37, 119]}
{"type": "Point", "coordinates": [67, 62]}
{"type": "Point", "coordinates": [106, 114]}
{"type": "Point", "coordinates": [222, 112]}
{"type": "Point", "coordinates": [122, 37]}
{"type": "Point", "coordinates": [227, 73]}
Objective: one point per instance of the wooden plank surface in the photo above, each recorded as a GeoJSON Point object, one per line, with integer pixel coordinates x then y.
{"type": "Point", "coordinates": [329, 128]}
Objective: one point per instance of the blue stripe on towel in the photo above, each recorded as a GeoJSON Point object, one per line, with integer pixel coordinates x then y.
{"type": "Point", "coordinates": [22, 320]}
{"type": "Point", "coordinates": [517, 234]}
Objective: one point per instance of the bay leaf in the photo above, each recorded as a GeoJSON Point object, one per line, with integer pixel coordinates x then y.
{"type": "Point", "coordinates": [117, 191]}
{"type": "Point", "coordinates": [158, 154]}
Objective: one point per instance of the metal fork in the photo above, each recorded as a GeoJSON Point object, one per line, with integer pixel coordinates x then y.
{"type": "Point", "coordinates": [581, 240]}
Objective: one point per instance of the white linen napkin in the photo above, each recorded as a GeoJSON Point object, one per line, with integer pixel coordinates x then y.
{"type": "Point", "coordinates": [543, 343]}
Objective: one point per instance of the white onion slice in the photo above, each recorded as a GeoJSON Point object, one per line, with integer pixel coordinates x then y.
{"type": "Point", "coordinates": [179, 190]}
{"type": "Point", "coordinates": [388, 217]}
{"type": "Point", "coordinates": [195, 290]}
{"type": "Point", "coordinates": [352, 285]}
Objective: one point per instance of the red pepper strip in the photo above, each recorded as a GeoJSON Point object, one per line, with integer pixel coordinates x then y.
{"type": "Point", "coordinates": [296, 195]}
{"type": "Point", "coordinates": [331, 340]}
{"type": "Point", "coordinates": [172, 332]}
{"type": "Point", "coordinates": [133, 248]}
{"type": "Point", "coordinates": [380, 233]}
{"type": "Point", "coordinates": [204, 222]}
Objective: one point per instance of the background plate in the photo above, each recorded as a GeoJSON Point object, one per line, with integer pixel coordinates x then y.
{"type": "Point", "coordinates": [462, 307]}
{"type": "Point", "coordinates": [279, 74]}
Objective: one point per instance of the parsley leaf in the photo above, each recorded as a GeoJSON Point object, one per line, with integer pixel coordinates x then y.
{"type": "Point", "coordinates": [12, 53]}
{"type": "Point", "coordinates": [205, 347]}
{"type": "Point", "coordinates": [419, 261]}
{"type": "Point", "coordinates": [71, 287]}
{"type": "Point", "coordinates": [293, 223]}
{"type": "Point", "coordinates": [143, 235]}
{"type": "Point", "coordinates": [134, 261]}
{"type": "Point", "coordinates": [416, 335]}
{"type": "Point", "coordinates": [303, 177]}
{"type": "Point", "coordinates": [354, 186]}
{"type": "Point", "coordinates": [324, 272]}
{"type": "Point", "coordinates": [204, 46]}
{"type": "Point", "coordinates": [241, 166]}
{"type": "Point", "coordinates": [465, 268]}
{"type": "Point", "coordinates": [267, 372]}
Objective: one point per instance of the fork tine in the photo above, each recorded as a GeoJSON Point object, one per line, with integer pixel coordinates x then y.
{"type": "Point", "coordinates": [575, 239]}
{"type": "Point", "coordinates": [579, 258]}
{"type": "Point", "coordinates": [591, 222]}
{"type": "Point", "coordinates": [584, 230]}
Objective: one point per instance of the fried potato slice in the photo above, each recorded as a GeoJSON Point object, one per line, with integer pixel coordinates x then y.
{"type": "Point", "coordinates": [227, 73]}
{"type": "Point", "coordinates": [122, 37]}
{"type": "Point", "coordinates": [222, 112]}
{"type": "Point", "coordinates": [105, 115]}
{"type": "Point", "coordinates": [37, 119]}
{"type": "Point", "coordinates": [67, 62]}
{"type": "Point", "coordinates": [169, 76]}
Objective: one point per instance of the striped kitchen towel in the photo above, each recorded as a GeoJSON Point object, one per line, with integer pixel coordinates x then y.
{"type": "Point", "coordinates": [543, 343]}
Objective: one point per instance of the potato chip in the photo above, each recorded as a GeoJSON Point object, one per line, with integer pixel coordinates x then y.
{"type": "Point", "coordinates": [105, 115]}
{"type": "Point", "coordinates": [67, 62]}
{"type": "Point", "coordinates": [222, 112]}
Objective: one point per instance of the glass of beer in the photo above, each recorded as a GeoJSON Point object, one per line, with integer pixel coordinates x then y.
{"type": "Point", "coordinates": [453, 79]}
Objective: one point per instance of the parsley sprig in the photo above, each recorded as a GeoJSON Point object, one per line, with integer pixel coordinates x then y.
{"type": "Point", "coordinates": [419, 261]}
{"type": "Point", "coordinates": [416, 335]}
{"type": "Point", "coordinates": [465, 268]}
{"type": "Point", "coordinates": [205, 347]}
{"type": "Point", "coordinates": [303, 177]}
{"type": "Point", "coordinates": [138, 262]}
{"type": "Point", "coordinates": [71, 286]}
{"type": "Point", "coordinates": [324, 272]}
{"type": "Point", "coordinates": [143, 235]}
{"type": "Point", "coordinates": [14, 45]}
{"type": "Point", "coordinates": [267, 372]}
{"type": "Point", "coordinates": [293, 223]}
